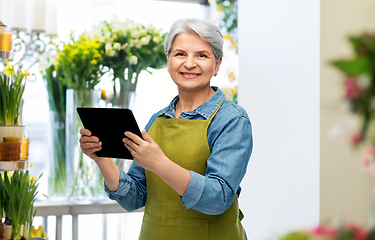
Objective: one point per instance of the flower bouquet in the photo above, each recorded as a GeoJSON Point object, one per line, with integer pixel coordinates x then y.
{"type": "Point", "coordinates": [359, 83]}
{"type": "Point", "coordinates": [359, 88]}
{"type": "Point", "coordinates": [128, 48]}
{"type": "Point", "coordinates": [79, 69]}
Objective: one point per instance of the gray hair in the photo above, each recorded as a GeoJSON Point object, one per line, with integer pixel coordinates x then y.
{"type": "Point", "coordinates": [208, 31]}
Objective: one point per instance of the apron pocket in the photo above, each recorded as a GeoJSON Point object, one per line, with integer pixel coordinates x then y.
{"type": "Point", "coordinates": [156, 228]}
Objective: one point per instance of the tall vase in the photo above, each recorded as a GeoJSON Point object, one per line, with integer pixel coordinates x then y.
{"type": "Point", "coordinates": [124, 97]}
{"type": "Point", "coordinates": [57, 159]}
{"type": "Point", "coordinates": [124, 86]}
{"type": "Point", "coordinates": [84, 181]}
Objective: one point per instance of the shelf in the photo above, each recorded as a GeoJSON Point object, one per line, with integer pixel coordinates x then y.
{"type": "Point", "coordinates": [6, 55]}
{"type": "Point", "coordinates": [14, 165]}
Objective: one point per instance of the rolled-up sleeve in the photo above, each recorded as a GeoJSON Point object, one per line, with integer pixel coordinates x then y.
{"type": "Point", "coordinates": [230, 153]}
{"type": "Point", "coordinates": [131, 193]}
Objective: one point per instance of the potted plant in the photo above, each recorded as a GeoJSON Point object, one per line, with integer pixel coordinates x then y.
{"type": "Point", "coordinates": [12, 86]}
{"type": "Point", "coordinates": [18, 194]}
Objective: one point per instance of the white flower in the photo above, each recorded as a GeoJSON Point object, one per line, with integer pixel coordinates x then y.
{"type": "Point", "coordinates": [108, 46]}
{"type": "Point", "coordinates": [107, 35]}
{"type": "Point", "coordinates": [131, 43]}
{"type": "Point", "coordinates": [135, 34]}
{"type": "Point", "coordinates": [137, 43]}
{"type": "Point", "coordinates": [364, 81]}
{"type": "Point", "coordinates": [133, 60]}
{"type": "Point", "coordinates": [145, 40]}
{"type": "Point", "coordinates": [111, 53]}
{"type": "Point", "coordinates": [117, 46]}
{"type": "Point", "coordinates": [142, 32]}
{"type": "Point", "coordinates": [156, 39]}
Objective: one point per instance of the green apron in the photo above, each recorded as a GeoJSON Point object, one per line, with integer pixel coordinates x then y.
{"type": "Point", "coordinates": [184, 142]}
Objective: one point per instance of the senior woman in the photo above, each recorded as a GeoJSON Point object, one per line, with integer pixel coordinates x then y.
{"type": "Point", "coordinates": [194, 153]}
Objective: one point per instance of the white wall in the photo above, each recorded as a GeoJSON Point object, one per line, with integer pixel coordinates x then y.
{"type": "Point", "coordinates": [279, 87]}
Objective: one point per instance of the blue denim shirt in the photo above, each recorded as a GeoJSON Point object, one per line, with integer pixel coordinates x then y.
{"type": "Point", "coordinates": [230, 140]}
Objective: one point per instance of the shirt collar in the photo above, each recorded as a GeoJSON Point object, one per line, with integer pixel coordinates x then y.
{"type": "Point", "coordinates": [206, 109]}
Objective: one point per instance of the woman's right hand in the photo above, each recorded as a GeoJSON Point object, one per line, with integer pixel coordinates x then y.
{"type": "Point", "coordinates": [89, 144]}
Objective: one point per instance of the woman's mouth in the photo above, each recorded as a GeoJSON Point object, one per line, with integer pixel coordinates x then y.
{"type": "Point", "coordinates": [189, 75]}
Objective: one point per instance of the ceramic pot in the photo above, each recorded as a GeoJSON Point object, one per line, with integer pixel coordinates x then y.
{"type": "Point", "coordinates": [11, 131]}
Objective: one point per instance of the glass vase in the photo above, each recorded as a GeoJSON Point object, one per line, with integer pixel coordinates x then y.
{"type": "Point", "coordinates": [124, 97]}
{"type": "Point", "coordinates": [84, 180]}
{"type": "Point", "coordinates": [57, 160]}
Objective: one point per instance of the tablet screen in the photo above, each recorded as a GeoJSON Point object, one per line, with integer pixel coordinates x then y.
{"type": "Point", "coordinates": [109, 125]}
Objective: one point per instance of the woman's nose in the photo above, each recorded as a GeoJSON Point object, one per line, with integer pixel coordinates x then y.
{"type": "Point", "coordinates": [190, 62]}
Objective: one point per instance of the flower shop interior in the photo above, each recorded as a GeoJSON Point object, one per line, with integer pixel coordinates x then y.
{"type": "Point", "coordinates": [303, 70]}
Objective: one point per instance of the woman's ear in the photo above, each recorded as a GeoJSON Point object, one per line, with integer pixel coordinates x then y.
{"type": "Point", "coordinates": [217, 66]}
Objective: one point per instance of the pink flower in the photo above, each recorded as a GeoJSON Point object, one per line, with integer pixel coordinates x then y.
{"type": "Point", "coordinates": [359, 233]}
{"type": "Point", "coordinates": [356, 138]}
{"type": "Point", "coordinates": [370, 151]}
{"type": "Point", "coordinates": [324, 231]}
{"type": "Point", "coordinates": [352, 89]}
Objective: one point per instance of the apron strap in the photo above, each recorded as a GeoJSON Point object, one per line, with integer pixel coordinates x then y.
{"type": "Point", "coordinates": [217, 109]}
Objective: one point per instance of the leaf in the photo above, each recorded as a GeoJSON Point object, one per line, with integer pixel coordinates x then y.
{"type": "Point", "coordinates": [353, 67]}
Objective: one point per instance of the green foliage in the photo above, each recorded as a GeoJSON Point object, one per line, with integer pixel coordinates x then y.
{"type": "Point", "coordinates": [296, 236]}
{"type": "Point", "coordinates": [229, 20]}
{"type": "Point", "coordinates": [12, 86]}
{"type": "Point", "coordinates": [56, 100]}
{"type": "Point", "coordinates": [353, 67]}
{"type": "Point", "coordinates": [18, 194]}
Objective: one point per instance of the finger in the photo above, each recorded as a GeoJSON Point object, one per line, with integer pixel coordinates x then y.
{"type": "Point", "coordinates": [130, 148]}
{"type": "Point", "coordinates": [128, 142]}
{"type": "Point", "coordinates": [146, 137]}
{"type": "Point", "coordinates": [133, 137]}
{"type": "Point", "coordinates": [85, 139]}
{"type": "Point", "coordinates": [87, 146]}
{"type": "Point", "coordinates": [84, 132]}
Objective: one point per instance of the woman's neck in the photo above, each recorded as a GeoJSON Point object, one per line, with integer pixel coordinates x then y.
{"type": "Point", "coordinates": [188, 101]}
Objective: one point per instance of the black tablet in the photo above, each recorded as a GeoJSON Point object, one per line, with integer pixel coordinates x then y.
{"type": "Point", "coordinates": [109, 125]}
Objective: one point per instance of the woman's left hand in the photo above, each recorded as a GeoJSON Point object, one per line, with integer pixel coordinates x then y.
{"type": "Point", "coordinates": [146, 153]}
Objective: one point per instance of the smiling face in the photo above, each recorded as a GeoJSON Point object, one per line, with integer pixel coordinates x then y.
{"type": "Point", "coordinates": [192, 62]}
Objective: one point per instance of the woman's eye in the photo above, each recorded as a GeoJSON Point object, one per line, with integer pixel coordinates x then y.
{"type": "Point", "coordinates": [202, 55]}
{"type": "Point", "coordinates": [179, 54]}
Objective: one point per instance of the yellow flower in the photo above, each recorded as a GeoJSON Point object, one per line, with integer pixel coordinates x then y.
{"type": "Point", "coordinates": [230, 38]}
{"type": "Point", "coordinates": [26, 74]}
{"type": "Point", "coordinates": [94, 62]}
{"type": "Point", "coordinates": [32, 180]}
{"type": "Point", "coordinates": [9, 70]}
{"type": "Point", "coordinates": [231, 77]}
